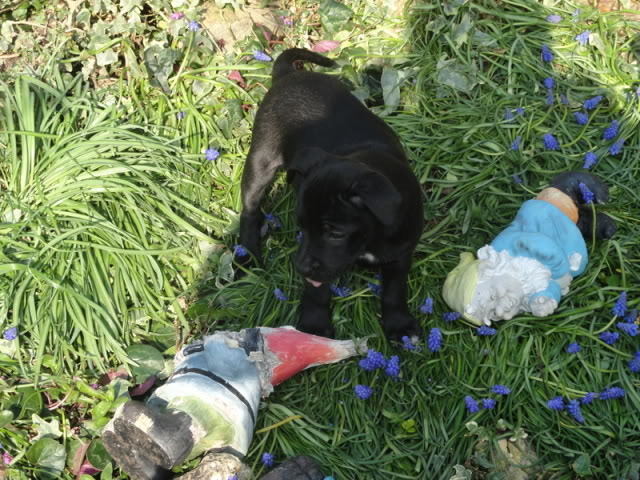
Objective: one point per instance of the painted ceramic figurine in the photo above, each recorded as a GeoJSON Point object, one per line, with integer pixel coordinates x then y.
{"type": "Point", "coordinates": [210, 403]}
{"type": "Point", "coordinates": [530, 264]}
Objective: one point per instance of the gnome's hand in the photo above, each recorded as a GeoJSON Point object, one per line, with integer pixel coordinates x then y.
{"type": "Point", "coordinates": [543, 306]}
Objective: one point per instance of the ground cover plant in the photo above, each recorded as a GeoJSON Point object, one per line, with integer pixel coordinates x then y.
{"type": "Point", "coordinates": [123, 133]}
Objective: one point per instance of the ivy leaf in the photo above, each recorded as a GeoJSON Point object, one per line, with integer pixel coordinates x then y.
{"type": "Point", "coordinates": [582, 465]}
{"type": "Point", "coordinates": [46, 429]}
{"type": "Point", "coordinates": [149, 361]}
{"type": "Point", "coordinates": [334, 15]}
{"type": "Point", "coordinates": [159, 62]}
{"type": "Point", "coordinates": [48, 456]}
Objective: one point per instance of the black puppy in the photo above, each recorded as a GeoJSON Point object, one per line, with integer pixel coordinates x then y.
{"type": "Point", "coordinates": [357, 199]}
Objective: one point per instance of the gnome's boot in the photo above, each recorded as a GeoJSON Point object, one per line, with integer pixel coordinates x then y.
{"type": "Point", "coordinates": [147, 443]}
{"type": "Point", "coordinates": [296, 468]}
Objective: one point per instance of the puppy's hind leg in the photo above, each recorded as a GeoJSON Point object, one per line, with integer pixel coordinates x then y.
{"type": "Point", "coordinates": [259, 171]}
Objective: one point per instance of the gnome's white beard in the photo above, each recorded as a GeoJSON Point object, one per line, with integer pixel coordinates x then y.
{"type": "Point", "coordinates": [505, 284]}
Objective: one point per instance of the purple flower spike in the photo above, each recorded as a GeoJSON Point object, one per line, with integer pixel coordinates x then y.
{"type": "Point", "coordinates": [574, 410]}
{"type": "Point", "coordinates": [515, 145]}
{"type": "Point", "coordinates": [471, 404]}
{"type": "Point", "coordinates": [620, 307]}
{"type": "Point", "coordinates": [616, 148]}
{"type": "Point", "coordinates": [611, 131]}
{"type": "Point", "coordinates": [556, 403]}
{"type": "Point", "coordinates": [427, 306]}
{"type": "Point", "coordinates": [563, 99]}
{"type": "Point", "coordinates": [550, 97]}
{"type": "Point", "coordinates": [177, 15]}
{"type": "Point", "coordinates": [554, 19]}
{"type": "Point", "coordinates": [508, 115]}
{"type": "Point", "coordinates": [11, 333]}
{"type": "Point", "coordinates": [520, 110]}
{"type": "Point", "coordinates": [549, 82]}
{"type": "Point", "coordinates": [632, 316]}
{"type": "Point", "coordinates": [630, 329]}
{"type": "Point", "coordinates": [550, 142]}
{"type": "Point", "coordinates": [516, 179]}
{"type": "Point", "coordinates": [261, 56]}
{"type": "Point", "coordinates": [581, 118]}
{"type": "Point", "coordinates": [211, 154]}
{"type": "Point", "coordinates": [547, 55]}
{"type": "Point", "coordinates": [363, 392]}
{"type": "Point", "coordinates": [407, 344]}
{"type": "Point", "coordinates": [279, 294]}
{"type": "Point", "coordinates": [393, 367]}
{"type": "Point", "coordinates": [573, 348]}
{"type": "Point", "coordinates": [434, 342]}
{"type": "Point", "coordinates": [193, 26]}
{"type": "Point", "coordinates": [341, 292]}
{"type": "Point", "coordinates": [587, 195]}
{"type": "Point", "coordinates": [373, 361]}
{"type": "Point", "coordinates": [592, 102]}
{"type": "Point", "coordinates": [611, 393]}
{"type": "Point", "coordinates": [485, 331]}
{"type": "Point", "coordinates": [634, 363]}
{"type": "Point", "coordinates": [583, 38]}
{"type": "Point", "coordinates": [588, 398]}
{"type": "Point", "coordinates": [240, 251]}
{"type": "Point", "coordinates": [451, 316]}
{"type": "Point", "coordinates": [609, 337]}
{"type": "Point", "coordinates": [268, 460]}
{"type": "Point", "coordinates": [488, 403]}
{"type": "Point", "coordinates": [590, 160]}
{"type": "Point", "coordinates": [501, 390]}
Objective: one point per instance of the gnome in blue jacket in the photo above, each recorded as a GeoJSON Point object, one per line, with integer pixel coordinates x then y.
{"type": "Point", "coordinates": [530, 264]}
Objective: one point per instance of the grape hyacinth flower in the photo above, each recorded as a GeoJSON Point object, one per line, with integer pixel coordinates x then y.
{"type": "Point", "coordinates": [609, 337]}
{"type": "Point", "coordinates": [616, 148]}
{"type": "Point", "coordinates": [261, 56]}
{"type": "Point", "coordinates": [501, 390]}
{"type": "Point", "coordinates": [547, 55]}
{"type": "Point", "coordinates": [590, 160]}
{"type": "Point", "coordinates": [240, 251]}
{"type": "Point", "coordinates": [550, 142]}
{"type": "Point", "coordinates": [375, 288]}
{"type": "Point", "coordinates": [341, 292]}
{"type": "Point", "coordinates": [268, 460]}
{"type": "Point", "coordinates": [211, 154]}
{"type": "Point", "coordinates": [407, 344]}
{"type": "Point", "coordinates": [574, 410]}
{"type": "Point", "coordinates": [372, 361]}
{"type": "Point", "coordinates": [181, 115]}
{"type": "Point", "coordinates": [630, 329]}
{"type": "Point", "coordinates": [177, 15]}
{"type": "Point", "coordinates": [193, 26]}
{"type": "Point", "coordinates": [576, 14]}
{"type": "Point", "coordinates": [588, 398]}
{"type": "Point", "coordinates": [363, 392]}
{"type": "Point", "coordinates": [550, 97]}
{"type": "Point", "coordinates": [11, 333]}
{"type": "Point", "coordinates": [574, 348]}
{"type": "Point", "coordinates": [587, 195]}
{"type": "Point", "coordinates": [556, 403]}
{"type": "Point", "coordinates": [393, 367]}
{"type": "Point", "coordinates": [583, 38]}
{"type": "Point", "coordinates": [471, 404]}
{"type": "Point", "coordinates": [485, 331]}
{"type": "Point", "coordinates": [520, 110]}
{"type": "Point", "coordinates": [611, 131]}
{"type": "Point", "coordinates": [592, 103]}
{"type": "Point", "coordinates": [554, 19]}
{"type": "Point", "coordinates": [563, 99]}
{"type": "Point", "coordinates": [279, 294]}
{"type": "Point", "coordinates": [434, 342]}
{"type": "Point", "coordinates": [508, 115]}
{"type": "Point", "coordinates": [488, 403]}
{"type": "Point", "coordinates": [273, 220]}
{"type": "Point", "coordinates": [620, 307]}
{"type": "Point", "coordinates": [427, 306]}
{"type": "Point", "coordinates": [549, 83]}
{"type": "Point", "coordinates": [233, 477]}
{"type": "Point", "coordinates": [451, 316]}
{"type": "Point", "coordinates": [611, 393]}
{"type": "Point", "coordinates": [634, 363]}
{"type": "Point", "coordinates": [581, 118]}
{"type": "Point", "coordinates": [515, 145]}
{"type": "Point", "coordinates": [632, 316]}
{"type": "Point", "coordinates": [516, 179]}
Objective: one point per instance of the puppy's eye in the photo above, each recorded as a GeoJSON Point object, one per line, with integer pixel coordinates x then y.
{"type": "Point", "coordinates": [335, 235]}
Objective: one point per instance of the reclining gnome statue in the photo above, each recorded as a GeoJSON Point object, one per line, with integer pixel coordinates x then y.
{"type": "Point", "coordinates": [210, 404]}
{"type": "Point", "coordinates": [529, 266]}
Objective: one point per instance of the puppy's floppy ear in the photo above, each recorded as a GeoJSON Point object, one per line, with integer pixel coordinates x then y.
{"type": "Point", "coordinates": [304, 161]}
{"type": "Point", "coordinates": [375, 192]}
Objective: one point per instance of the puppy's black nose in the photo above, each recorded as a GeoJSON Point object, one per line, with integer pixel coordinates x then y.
{"type": "Point", "coordinates": [306, 266]}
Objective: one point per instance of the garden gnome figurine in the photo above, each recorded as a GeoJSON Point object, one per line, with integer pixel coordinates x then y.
{"type": "Point", "coordinates": [210, 402]}
{"type": "Point", "coordinates": [529, 266]}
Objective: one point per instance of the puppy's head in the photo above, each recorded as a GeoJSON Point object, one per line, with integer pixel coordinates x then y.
{"type": "Point", "coordinates": [343, 206]}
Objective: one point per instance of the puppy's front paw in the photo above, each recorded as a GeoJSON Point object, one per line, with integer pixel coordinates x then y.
{"type": "Point", "coordinates": [398, 325]}
{"type": "Point", "coordinates": [316, 321]}
{"type": "Point", "coordinates": [543, 306]}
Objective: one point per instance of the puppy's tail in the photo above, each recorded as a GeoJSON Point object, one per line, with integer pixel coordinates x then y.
{"type": "Point", "coordinates": [285, 62]}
